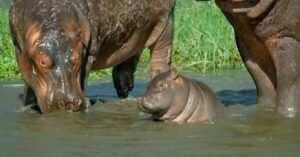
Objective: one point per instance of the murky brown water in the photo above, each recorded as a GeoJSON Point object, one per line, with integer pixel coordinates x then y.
{"type": "Point", "coordinates": [117, 128]}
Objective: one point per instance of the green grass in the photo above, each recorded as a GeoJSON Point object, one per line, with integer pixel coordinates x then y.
{"type": "Point", "coordinates": [203, 41]}
{"type": "Point", "coordinates": [8, 65]}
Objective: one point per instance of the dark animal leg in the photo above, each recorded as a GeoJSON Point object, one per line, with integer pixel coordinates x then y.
{"type": "Point", "coordinates": [84, 77]}
{"type": "Point", "coordinates": [263, 73]}
{"type": "Point", "coordinates": [123, 76]}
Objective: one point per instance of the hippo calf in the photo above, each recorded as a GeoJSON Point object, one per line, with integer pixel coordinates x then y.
{"type": "Point", "coordinates": [172, 97]}
{"type": "Point", "coordinates": [58, 43]}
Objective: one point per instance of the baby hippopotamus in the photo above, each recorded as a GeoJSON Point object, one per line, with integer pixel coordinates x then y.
{"type": "Point", "coordinates": [173, 97]}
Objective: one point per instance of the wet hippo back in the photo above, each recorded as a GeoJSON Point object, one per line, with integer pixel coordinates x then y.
{"type": "Point", "coordinates": [124, 27]}
{"type": "Point", "coordinates": [176, 98]}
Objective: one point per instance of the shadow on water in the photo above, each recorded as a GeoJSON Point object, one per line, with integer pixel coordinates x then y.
{"type": "Point", "coordinates": [231, 97]}
{"type": "Point", "coordinates": [117, 128]}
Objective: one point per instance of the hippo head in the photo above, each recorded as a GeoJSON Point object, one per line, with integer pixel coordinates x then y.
{"type": "Point", "coordinates": [51, 61]}
{"type": "Point", "coordinates": [159, 95]}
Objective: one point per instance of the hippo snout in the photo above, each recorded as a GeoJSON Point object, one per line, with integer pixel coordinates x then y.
{"type": "Point", "coordinates": [74, 105]}
{"type": "Point", "coordinates": [144, 105]}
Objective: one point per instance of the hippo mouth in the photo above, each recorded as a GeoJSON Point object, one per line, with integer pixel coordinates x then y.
{"type": "Point", "coordinates": [69, 107]}
{"type": "Point", "coordinates": [142, 105]}
{"type": "Point", "coordinates": [46, 108]}
{"type": "Point", "coordinates": [45, 103]}
{"type": "Point", "coordinates": [144, 109]}
{"type": "Point", "coordinates": [155, 115]}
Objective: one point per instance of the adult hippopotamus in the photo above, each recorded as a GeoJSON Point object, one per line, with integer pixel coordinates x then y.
{"type": "Point", "coordinates": [58, 42]}
{"type": "Point", "coordinates": [268, 39]}
{"type": "Point", "coordinates": [173, 97]}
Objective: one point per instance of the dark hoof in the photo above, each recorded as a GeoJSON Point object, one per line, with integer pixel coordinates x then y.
{"type": "Point", "coordinates": [124, 83]}
{"type": "Point", "coordinates": [122, 94]}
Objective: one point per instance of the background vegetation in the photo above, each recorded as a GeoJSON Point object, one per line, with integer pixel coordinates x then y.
{"type": "Point", "coordinates": [8, 65]}
{"type": "Point", "coordinates": [203, 41]}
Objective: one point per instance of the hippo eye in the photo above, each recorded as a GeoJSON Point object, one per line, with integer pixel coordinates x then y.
{"type": "Point", "coordinates": [161, 85]}
{"type": "Point", "coordinates": [44, 61]}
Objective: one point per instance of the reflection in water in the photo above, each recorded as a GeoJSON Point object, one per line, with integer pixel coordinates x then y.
{"type": "Point", "coordinates": [117, 128]}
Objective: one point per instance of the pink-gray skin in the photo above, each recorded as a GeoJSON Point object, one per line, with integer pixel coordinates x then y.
{"type": "Point", "coordinates": [172, 97]}
{"type": "Point", "coordinates": [268, 39]}
{"type": "Point", "coordinates": [58, 43]}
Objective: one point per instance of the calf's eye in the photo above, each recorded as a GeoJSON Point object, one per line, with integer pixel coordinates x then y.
{"type": "Point", "coordinates": [161, 85]}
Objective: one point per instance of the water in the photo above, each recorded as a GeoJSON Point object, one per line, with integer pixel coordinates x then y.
{"type": "Point", "coordinates": [5, 3]}
{"type": "Point", "coordinates": [117, 128]}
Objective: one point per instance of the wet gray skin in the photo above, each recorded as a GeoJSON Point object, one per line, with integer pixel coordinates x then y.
{"type": "Point", "coordinates": [58, 43]}
{"type": "Point", "coordinates": [50, 52]}
{"type": "Point", "coordinates": [173, 97]}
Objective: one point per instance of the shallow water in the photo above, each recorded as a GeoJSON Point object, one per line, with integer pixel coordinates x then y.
{"type": "Point", "coordinates": [117, 128]}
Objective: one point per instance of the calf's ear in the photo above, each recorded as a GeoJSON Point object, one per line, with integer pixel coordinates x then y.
{"type": "Point", "coordinates": [173, 73]}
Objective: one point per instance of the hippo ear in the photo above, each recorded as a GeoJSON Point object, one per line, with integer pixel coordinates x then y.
{"type": "Point", "coordinates": [84, 31]}
{"type": "Point", "coordinates": [173, 74]}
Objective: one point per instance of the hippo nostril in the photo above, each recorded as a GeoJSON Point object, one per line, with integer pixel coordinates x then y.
{"type": "Point", "coordinates": [78, 103]}
{"type": "Point", "coordinates": [61, 104]}
{"type": "Point", "coordinates": [69, 107]}
{"type": "Point", "coordinates": [75, 106]}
